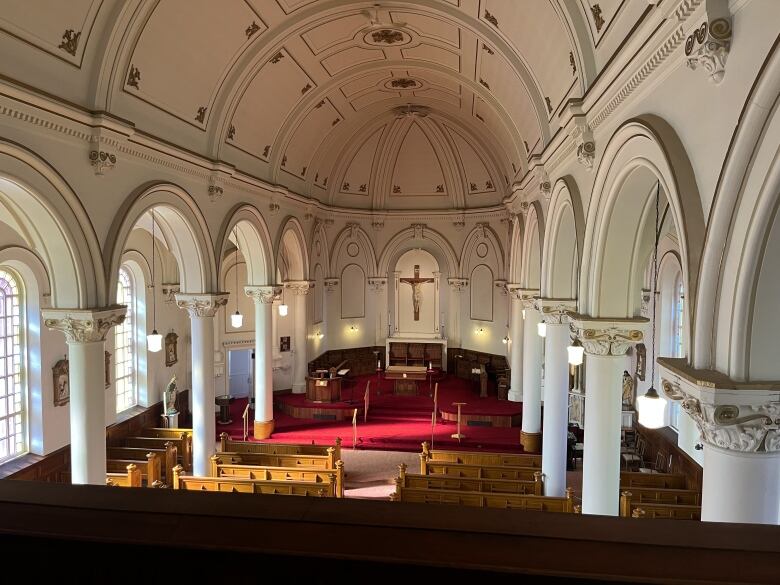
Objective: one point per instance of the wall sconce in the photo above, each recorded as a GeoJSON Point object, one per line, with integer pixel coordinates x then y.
{"type": "Point", "coordinates": [541, 329]}
{"type": "Point", "coordinates": [505, 340]}
{"type": "Point", "coordinates": [283, 310]}
{"type": "Point", "coordinates": [320, 335]}
{"type": "Point", "coordinates": [479, 331]}
{"type": "Point", "coordinates": [353, 328]}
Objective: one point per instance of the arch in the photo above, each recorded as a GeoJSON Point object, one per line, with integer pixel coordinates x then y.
{"type": "Point", "coordinates": [48, 215]}
{"type": "Point", "coordinates": [181, 224]}
{"type": "Point", "coordinates": [254, 243]}
{"type": "Point", "coordinates": [739, 226]}
{"type": "Point", "coordinates": [639, 154]}
{"type": "Point", "coordinates": [531, 265]}
{"type": "Point", "coordinates": [669, 274]}
{"type": "Point", "coordinates": [481, 293]}
{"type": "Point", "coordinates": [428, 240]}
{"type": "Point", "coordinates": [292, 258]}
{"type": "Point", "coordinates": [516, 249]}
{"type": "Point", "coordinates": [563, 241]}
{"type": "Point", "coordinates": [353, 233]}
{"type": "Point", "coordinates": [353, 296]}
{"type": "Point", "coordinates": [493, 255]}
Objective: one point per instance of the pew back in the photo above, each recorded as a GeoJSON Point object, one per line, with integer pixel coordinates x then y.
{"type": "Point", "coordinates": [167, 455]}
{"type": "Point", "coordinates": [652, 510]}
{"type": "Point", "coordinates": [229, 445]}
{"type": "Point", "coordinates": [266, 473]}
{"type": "Point", "coordinates": [269, 460]}
{"type": "Point", "coordinates": [130, 478]}
{"type": "Point", "coordinates": [477, 471]}
{"type": "Point", "coordinates": [653, 480]}
{"type": "Point", "coordinates": [185, 435]}
{"type": "Point", "coordinates": [482, 458]}
{"type": "Point", "coordinates": [663, 496]}
{"type": "Point", "coordinates": [448, 482]}
{"type": "Point", "coordinates": [159, 443]}
{"type": "Point", "coordinates": [149, 469]}
{"type": "Point", "coordinates": [250, 486]}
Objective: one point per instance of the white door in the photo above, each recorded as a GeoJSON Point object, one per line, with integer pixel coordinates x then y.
{"type": "Point", "coordinates": [240, 372]}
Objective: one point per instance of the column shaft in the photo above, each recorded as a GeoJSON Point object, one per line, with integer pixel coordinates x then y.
{"type": "Point", "coordinates": [300, 359]}
{"type": "Point", "coordinates": [264, 379]}
{"type": "Point", "coordinates": [516, 351]}
{"type": "Point", "coordinates": [203, 420]}
{"type": "Point", "coordinates": [556, 409]}
{"type": "Point", "coordinates": [601, 465]}
{"type": "Point", "coordinates": [740, 487]}
{"type": "Point", "coordinates": [87, 412]}
{"type": "Point", "coordinates": [532, 382]}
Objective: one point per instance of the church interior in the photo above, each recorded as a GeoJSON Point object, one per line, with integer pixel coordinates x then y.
{"type": "Point", "coordinates": [491, 286]}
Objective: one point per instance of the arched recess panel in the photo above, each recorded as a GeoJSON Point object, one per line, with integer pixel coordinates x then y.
{"type": "Point", "coordinates": [481, 286]}
{"type": "Point", "coordinates": [353, 292]}
{"type": "Point", "coordinates": [763, 364]}
{"type": "Point", "coordinates": [318, 293]}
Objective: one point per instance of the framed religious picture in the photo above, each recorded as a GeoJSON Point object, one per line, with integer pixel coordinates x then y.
{"type": "Point", "coordinates": [171, 350]}
{"type": "Point", "coordinates": [284, 343]}
{"type": "Point", "coordinates": [61, 377]}
{"type": "Point", "coordinates": [641, 361]}
{"type": "Point", "coordinates": [107, 366]}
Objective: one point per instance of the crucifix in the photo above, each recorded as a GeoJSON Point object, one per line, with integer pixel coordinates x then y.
{"type": "Point", "coordinates": [416, 284]}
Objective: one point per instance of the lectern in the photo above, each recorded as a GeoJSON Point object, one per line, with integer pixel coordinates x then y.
{"type": "Point", "coordinates": [323, 389]}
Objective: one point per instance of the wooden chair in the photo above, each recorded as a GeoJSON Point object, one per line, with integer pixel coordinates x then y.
{"type": "Point", "coordinates": [634, 458]}
{"type": "Point", "coordinates": [397, 354]}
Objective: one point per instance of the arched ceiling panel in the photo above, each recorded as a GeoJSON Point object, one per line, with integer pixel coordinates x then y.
{"type": "Point", "coordinates": [357, 179]}
{"type": "Point", "coordinates": [418, 169]}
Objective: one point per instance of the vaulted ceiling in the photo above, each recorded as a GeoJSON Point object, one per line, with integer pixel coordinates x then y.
{"type": "Point", "coordinates": [391, 105]}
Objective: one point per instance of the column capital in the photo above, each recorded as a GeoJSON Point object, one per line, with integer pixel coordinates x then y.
{"type": "Point", "coordinates": [377, 283]}
{"type": "Point", "coordinates": [605, 336]}
{"type": "Point", "coordinates": [525, 295]}
{"type": "Point", "coordinates": [84, 325]}
{"type": "Point", "coordinates": [734, 416]}
{"type": "Point", "coordinates": [265, 294]}
{"type": "Point", "coordinates": [458, 284]}
{"type": "Point", "coordinates": [555, 311]}
{"type": "Point", "coordinates": [299, 287]}
{"type": "Point", "coordinates": [201, 304]}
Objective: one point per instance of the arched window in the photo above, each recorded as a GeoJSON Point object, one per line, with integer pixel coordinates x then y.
{"type": "Point", "coordinates": [13, 359]}
{"type": "Point", "coordinates": [679, 319]}
{"type": "Point", "coordinates": [124, 345]}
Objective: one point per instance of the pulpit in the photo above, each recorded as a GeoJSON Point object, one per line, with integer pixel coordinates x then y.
{"type": "Point", "coordinates": [323, 389]}
{"type": "Point", "coordinates": [223, 402]}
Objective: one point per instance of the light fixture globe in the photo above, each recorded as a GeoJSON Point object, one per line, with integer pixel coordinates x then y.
{"type": "Point", "coordinates": [154, 341]}
{"type": "Point", "coordinates": [576, 354]}
{"type": "Point", "coordinates": [236, 320]}
{"type": "Point", "coordinates": [541, 329]}
{"type": "Point", "coordinates": [283, 309]}
{"type": "Point", "coordinates": [652, 409]}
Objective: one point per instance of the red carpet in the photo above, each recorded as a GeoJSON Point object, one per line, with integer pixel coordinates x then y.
{"type": "Point", "coordinates": [395, 423]}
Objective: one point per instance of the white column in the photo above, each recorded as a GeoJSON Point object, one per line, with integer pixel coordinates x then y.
{"type": "Point", "coordinates": [300, 290]}
{"type": "Point", "coordinates": [516, 347]}
{"type": "Point", "coordinates": [556, 396]}
{"type": "Point", "coordinates": [740, 487]}
{"type": "Point", "coordinates": [202, 309]}
{"type": "Point", "coordinates": [263, 297]}
{"type": "Point", "coordinates": [85, 331]}
{"type": "Point", "coordinates": [606, 344]}
{"type": "Point", "coordinates": [533, 347]}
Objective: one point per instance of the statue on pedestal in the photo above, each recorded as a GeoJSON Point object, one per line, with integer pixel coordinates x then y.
{"type": "Point", "coordinates": [169, 397]}
{"type": "Point", "coordinates": [628, 391]}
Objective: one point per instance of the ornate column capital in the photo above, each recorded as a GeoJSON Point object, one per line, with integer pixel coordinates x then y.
{"type": "Point", "coordinates": [605, 337]}
{"type": "Point", "coordinates": [263, 294]}
{"type": "Point", "coordinates": [299, 287]}
{"type": "Point", "coordinates": [84, 325]}
{"type": "Point", "coordinates": [555, 311]}
{"type": "Point", "coordinates": [735, 416]}
{"type": "Point", "coordinates": [377, 283]}
{"type": "Point", "coordinates": [201, 304]}
{"type": "Point", "coordinates": [708, 44]}
{"type": "Point", "coordinates": [458, 284]}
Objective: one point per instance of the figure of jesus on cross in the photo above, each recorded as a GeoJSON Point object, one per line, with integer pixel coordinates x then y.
{"type": "Point", "coordinates": [416, 284]}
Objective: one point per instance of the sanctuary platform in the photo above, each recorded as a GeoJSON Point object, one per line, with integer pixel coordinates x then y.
{"type": "Point", "coordinates": [396, 422]}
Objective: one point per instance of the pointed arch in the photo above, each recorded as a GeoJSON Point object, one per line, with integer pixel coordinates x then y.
{"type": "Point", "coordinates": [292, 258]}
{"type": "Point", "coordinates": [254, 243]}
{"type": "Point", "coordinates": [563, 241]}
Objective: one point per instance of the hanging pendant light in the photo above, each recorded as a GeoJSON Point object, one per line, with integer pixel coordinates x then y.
{"type": "Point", "coordinates": [576, 353]}
{"type": "Point", "coordinates": [651, 407]}
{"type": "Point", "coordinates": [283, 309]}
{"type": "Point", "coordinates": [236, 319]}
{"type": "Point", "coordinates": [541, 329]}
{"type": "Point", "coordinates": [154, 339]}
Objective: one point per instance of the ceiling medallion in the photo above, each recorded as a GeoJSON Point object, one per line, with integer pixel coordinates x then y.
{"type": "Point", "coordinates": [411, 110]}
{"type": "Point", "coordinates": [403, 83]}
{"type": "Point", "coordinates": [387, 36]}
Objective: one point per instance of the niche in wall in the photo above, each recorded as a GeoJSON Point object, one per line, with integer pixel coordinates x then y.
{"type": "Point", "coordinates": [481, 287]}
{"type": "Point", "coordinates": [353, 292]}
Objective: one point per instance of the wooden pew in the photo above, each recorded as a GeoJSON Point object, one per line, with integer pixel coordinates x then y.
{"type": "Point", "coordinates": [483, 500]}
{"type": "Point", "coordinates": [251, 486]}
{"type": "Point", "coordinates": [480, 458]}
{"type": "Point", "coordinates": [448, 482]}
{"type": "Point", "coordinates": [150, 469]}
{"type": "Point", "coordinates": [257, 472]}
{"type": "Point", "coordinates": [630, 509]}
{"type": "Point", "coordinates": [159, 443]}
{"type": "Point", "coordinates": [673, 481]}
{"type": "Point", "coordinates": [663, 496]}
{"type": "Point", "coordinates": [269, 460]}
{"type": "Point", "coordinates": [228, 445]}
{"type": "Point", "coordinates": [130, 478]}
{"type": "Point", "coordinates": [476, 471]}
{"type": "Point", "coordinates": [167, 456]}
{"type": "Point", "coordinates": [183, 435]}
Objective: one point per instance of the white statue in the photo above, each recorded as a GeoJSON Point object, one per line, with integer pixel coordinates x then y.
{"type": "Point", "coordinates": [169, 397]}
